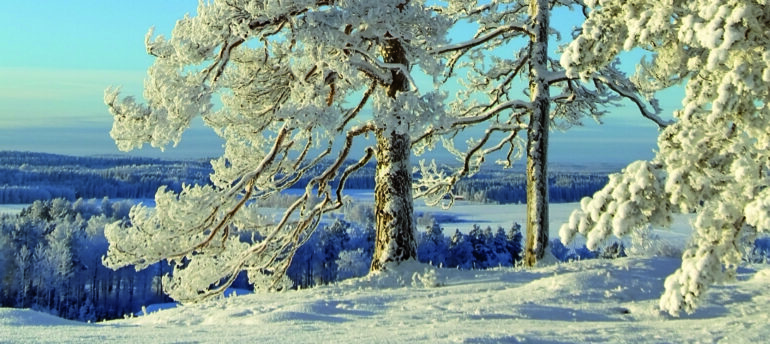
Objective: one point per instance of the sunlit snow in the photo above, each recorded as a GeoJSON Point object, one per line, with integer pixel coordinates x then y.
{"type": "Point", "coordinates": [587, 301]}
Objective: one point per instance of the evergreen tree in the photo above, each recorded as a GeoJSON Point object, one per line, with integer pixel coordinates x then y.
{"type": "Point", "coordinates": [713, 160]}
{"type": "Point", "coordinates": [500, 248]}
{"type": "Point", "coordinates": [513, 242]}
{"type": "Point", "coordinates": [333, 240]}
{"type": "Point", "coordinates": [460, 252]}
{"type": "Point", "coordinates": [433, 246]}
{"type": "Point", "coordinates": [303, 265]}
{"type": "Point", "coordinates": [483, 255]}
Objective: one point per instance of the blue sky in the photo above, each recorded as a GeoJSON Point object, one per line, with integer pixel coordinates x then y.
{"type": "Point", "coordinates": [59, 56]}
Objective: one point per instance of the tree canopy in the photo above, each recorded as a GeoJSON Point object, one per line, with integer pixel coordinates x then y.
{"type": "Point", "coordinates": [713, 161]}
{"type": "Point", "coordinates": [513, 86]}
{"type": "Point", "coordinates": [291, 77]}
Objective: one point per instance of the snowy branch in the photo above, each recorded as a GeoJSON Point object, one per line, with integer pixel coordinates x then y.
{"type": "Point", "coordinates": [481, 39]}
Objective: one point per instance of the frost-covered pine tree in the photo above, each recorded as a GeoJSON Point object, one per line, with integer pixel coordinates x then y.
{"type": "Point", "coordinates": [292, 78]}
{"type": "Point", "coordinates": [713, 161]}
{"type": "Point", "coordinates": [509, 92]}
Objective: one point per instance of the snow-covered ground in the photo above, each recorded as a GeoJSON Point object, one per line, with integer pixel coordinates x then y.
{"type": "Point", "coordinates": [590, 301]}
{"type": "Point", "coordinates": [587, 301]}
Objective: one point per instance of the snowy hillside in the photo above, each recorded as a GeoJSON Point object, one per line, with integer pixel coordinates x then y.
{"type": "Point", "coordinates": [588, 301]}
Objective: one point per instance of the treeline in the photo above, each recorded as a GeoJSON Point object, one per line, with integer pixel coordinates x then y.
{"type": "Point", "coordinates": [492, 185]}
{"type": "Point", "coordinates": [511, 187]}
{"type": "Point", "coordinates": [50, 256]}
{"type": "Point", "coordinates": [343, 250]}
{"type": "Point", "coordinates": [50, 260]}
{"type": "Point", "coordinates": [26, 177]}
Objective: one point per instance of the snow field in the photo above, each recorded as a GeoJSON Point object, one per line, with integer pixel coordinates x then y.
{"type": "Point", "coordinates": [587, 301]}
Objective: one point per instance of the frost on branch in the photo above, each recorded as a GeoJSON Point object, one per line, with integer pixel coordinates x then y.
{"type": "Point", "coordinates": [174, 99]}
{"type": "Point", "coordinates": [147, 240]}
{"type": "Point", "coordinates": [714, 160]}
{"type": "Point", "coordinates": [510, 84]}
{"type": "Point", "coordinates": [292, 80]}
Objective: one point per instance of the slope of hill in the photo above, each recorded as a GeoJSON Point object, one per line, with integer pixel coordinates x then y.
{"type": "Point", "coordinates": [588, 301]}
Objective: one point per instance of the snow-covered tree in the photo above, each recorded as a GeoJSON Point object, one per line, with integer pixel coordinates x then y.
{"type": "Point", "coordinates": [352, 263]}
{"type": "Point", "coordinates": [24, 283]}
{"type": "Point", "coordinates": [434, 246]}
{"type": "Point", "coordinates": [510, 76]}
{"type": "Point", "coordinates": [292, 78]}
{"type": "Point", "coordinates": [460, 251]}
{"type": "Point", "coordinates": [713, 161]}
{"type": "Point", "coordinates": [6, 260]}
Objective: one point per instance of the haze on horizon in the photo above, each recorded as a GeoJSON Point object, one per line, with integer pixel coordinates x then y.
{"type": "Point", "coordinates": [64, 54]}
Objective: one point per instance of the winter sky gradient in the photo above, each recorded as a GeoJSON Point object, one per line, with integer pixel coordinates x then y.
{"type": "Point", "coordinates": [59, 56]}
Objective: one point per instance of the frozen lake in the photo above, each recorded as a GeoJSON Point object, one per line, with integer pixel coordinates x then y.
{"type": "Point", "coordinates": [464, 214]}
{"type": "Point", "coordinates": [11, 209]}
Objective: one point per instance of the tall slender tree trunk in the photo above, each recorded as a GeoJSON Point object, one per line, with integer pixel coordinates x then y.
{"type": "Point", "coordinates": [394, 208]}
{"type": "Point", "coordinates": [537, 137]}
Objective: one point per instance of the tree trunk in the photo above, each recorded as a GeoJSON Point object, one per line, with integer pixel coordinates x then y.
{"type": "Point", "coordinates": [537, 137]}
{"type": "Point", "coordinates": [394, 208]}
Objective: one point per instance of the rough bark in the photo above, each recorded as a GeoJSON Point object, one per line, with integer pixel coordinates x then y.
{"type": "Point", "coordinates": [394, 224]}
{"type": "Point", "coordinates": [537, 137]}
{"type": "Point", "coordinates": [394, 209]}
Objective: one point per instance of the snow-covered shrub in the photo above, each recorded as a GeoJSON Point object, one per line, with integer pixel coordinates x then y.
{"type": "Point", "coordinates": [565, 254]}
{"type": "Point", "coordinates": [615, 250]}
{"type": "Point", "coordinates": [645, 243]}
{"type": "Point", "coordinates": [760, 251]}
{"type": "Point", "coordinates": [353, 263]}
{"type": "Point", "coordinates": [561, 252]}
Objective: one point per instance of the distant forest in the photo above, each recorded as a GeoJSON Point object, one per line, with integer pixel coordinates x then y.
{"type": "Point", "coordinates": [26, 177]}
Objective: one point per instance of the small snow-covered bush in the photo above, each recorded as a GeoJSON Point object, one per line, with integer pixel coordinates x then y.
{"type": "Point", "coordinates": [760, 252]}
{"type": "Point", "coordinates": [565, 254]}
{"type": "Point", "coordinates": [353, 263]}
{"type": "Point", "coordinates": [645, 243]}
